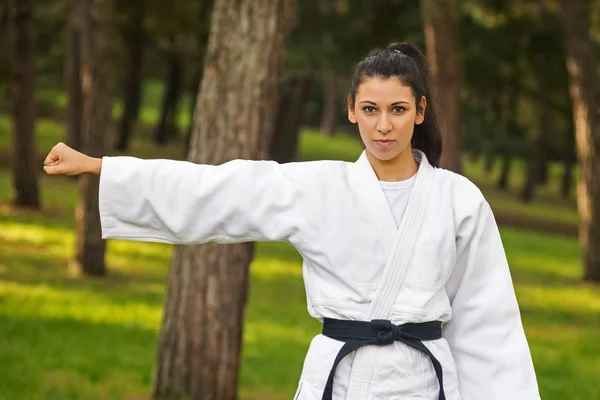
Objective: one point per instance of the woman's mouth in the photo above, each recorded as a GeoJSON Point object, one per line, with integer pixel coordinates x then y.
{"type": "Point", "coordinates": [383, 143]}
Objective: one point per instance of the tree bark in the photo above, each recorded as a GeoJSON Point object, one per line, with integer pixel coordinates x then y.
{"type": "Point", "coordinates": [136, 42]}
{"type": "Point", "coordinates": [441, 37]}
{"type": "Point", "coordinates": [97, 93]}
{"type": "Point", "coordinates": [288, 121]}
{"type": "Point", "coordinates": [74, 74]}
{"type": "Point", "coordinates": [329, 114]}
{"type": "Point", "coordinates": [200, 341]}
{"type": "Point", "coordinates": [23, 157]}
{"type": "Point", "coordinates": [584, 89]}
{"type": "Point", "coordinates": [167, 123]}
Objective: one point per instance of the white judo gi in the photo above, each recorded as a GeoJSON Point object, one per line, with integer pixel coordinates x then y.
{"type": "Point", "coordinates": [444, 262]}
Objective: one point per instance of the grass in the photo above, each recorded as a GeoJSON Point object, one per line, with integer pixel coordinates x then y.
{"type": "Point", "coordinates": [65, 337]}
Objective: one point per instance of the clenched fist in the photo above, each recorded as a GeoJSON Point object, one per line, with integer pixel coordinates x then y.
{"type": "Point", "coordinates": [63, 160]}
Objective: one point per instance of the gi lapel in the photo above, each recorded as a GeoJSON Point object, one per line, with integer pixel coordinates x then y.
{"type": "Point", "coordinates": [368, 186]}
{"type": "Point", "coordinates": [403, 247]}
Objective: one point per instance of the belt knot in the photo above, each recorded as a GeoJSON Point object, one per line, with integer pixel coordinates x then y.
{"type": "Point", "coordinates": [387, 333]}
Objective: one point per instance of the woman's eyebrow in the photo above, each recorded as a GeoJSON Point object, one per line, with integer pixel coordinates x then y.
{"type": "Point", "coordinates": [393, 104]}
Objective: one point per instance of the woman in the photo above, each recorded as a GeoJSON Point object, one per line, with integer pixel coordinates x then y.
{"type": "Point", "coordinates": [403, 261]}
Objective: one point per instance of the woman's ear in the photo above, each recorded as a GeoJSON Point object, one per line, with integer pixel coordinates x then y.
{"type": "Point", "coordinates": [351, 114]}
{"type": "Point", "coordinates": [420, 117]}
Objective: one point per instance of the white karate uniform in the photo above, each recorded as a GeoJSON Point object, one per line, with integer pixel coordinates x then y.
{"type": "Point", "coordinates": [444, 261]}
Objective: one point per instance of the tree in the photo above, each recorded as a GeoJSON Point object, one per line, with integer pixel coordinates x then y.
{"type": "Point", "coordinates": [284, 142]}
{"type": "Point", "coordinates": [23, 76]}
{"type": "Point", "coordinates": [97, 57]}
{"type": "Point", "coordinates": [167, 124]}
{"type": "Point", "coordinates": [441, 37]}
{"type": "Point", "coordinates": [73, 67]}
{"type": "Point", "coordinates": [329, 101]}
{"type": "Point", "coordinates": [135, 37]}
{"type": "Point", "coordinates": [584, 88]}
{"type": "Point", "coordinates": [200, 341]}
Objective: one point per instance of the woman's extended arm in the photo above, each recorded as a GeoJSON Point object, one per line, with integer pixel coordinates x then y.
{"type": "Point", "coordinates": [182, 202]}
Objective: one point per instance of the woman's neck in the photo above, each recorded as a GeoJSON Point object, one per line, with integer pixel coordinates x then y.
{"type": "Point", "coordinates": [397, 169]}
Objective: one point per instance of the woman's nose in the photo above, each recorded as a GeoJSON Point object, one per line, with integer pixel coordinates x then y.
{"type": "Point", "coordinates": [383, 125]}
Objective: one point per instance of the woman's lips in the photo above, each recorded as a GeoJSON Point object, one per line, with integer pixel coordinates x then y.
{"type": "Point", "coordinates": [384, 143]}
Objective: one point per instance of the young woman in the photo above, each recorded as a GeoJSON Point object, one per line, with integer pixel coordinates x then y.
{"type": "Point", "coordinates": [403, 261]}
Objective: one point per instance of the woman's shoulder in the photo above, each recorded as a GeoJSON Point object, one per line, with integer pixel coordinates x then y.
{"type": "Point", "coordinates": [316, 170]}
{"type": "Point", "coordinates": [459, 188]}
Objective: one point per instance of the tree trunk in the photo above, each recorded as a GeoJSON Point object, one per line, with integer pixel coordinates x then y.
{"type": "Point", "coordinates": [535, 163]}
{"type": "Point", "coordinates": [441, 37]}
{"type": "Point", "coordinates": [512, 126]}
{"type": "Point", "coordinates": [200, 342]}
{"type": "Point", "coordinates": [530, 179]}
{"type": "Point", "coordinates": [567, 179]}
{"type": "Point", "coordinates": [23, 157]}
{"type": "Point", "coordinates": [490, 159]}
{"type": "Point", "coordinates": [584, 89]}
{"type": "Point", "coordinates": [96, 62]}
{"type": "Point", "coordinates": [74, 75]}
{"type": "Point", "coordinates": [544, 170]}
{"type": "Point", "coordinates": [329, 114]}
{"type": "Point", "coordinates": [505, 170]}
{"type": "Point", "coordinates": [289, 117]}
{"type": "Point", "coordinates": [136, 42]}
{"type": "Point", "coordinates": [167, 122]}
{"type": "Point", "coordinates": [192, 111]}
{"type": "Point", "coordinates": [204, 15]}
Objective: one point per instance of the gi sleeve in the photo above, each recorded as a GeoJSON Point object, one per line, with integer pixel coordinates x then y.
{"type": "Point", "coordinates": [485, 334]}
{"type": "Point", "coordinates": [184, 203]}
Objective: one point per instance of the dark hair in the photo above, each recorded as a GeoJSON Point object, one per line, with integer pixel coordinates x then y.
{"type": "Point", "coordinates": [407, 63]}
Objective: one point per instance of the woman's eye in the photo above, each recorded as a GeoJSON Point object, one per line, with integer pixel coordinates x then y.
{"type": "Point", "coordinates": [369, 109]}
{"type": "Point", "coordinates": [398, 109]}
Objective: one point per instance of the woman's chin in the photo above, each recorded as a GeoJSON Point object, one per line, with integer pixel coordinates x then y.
{"type": "Point", "coordinates": [384, 155]}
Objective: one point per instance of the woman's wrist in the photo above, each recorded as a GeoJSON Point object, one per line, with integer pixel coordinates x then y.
{"type": "Point", "coordinates": [94, 166]}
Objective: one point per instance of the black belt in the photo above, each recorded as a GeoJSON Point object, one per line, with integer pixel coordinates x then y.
{"type": "Point", "coordinates": [381, 332]}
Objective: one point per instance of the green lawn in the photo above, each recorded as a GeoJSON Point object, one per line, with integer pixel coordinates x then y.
{"type": "Point", "coordinates": [65, 337]}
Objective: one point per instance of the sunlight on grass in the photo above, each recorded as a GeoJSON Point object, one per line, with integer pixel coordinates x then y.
{"type": "Point", "coordinates": [36, 234]}
{"type": "Point", "coordinates": [559, 300]}
{"type": "Point", "coordinates": [270, 269]}
{"type": "Point", "coordinates": [41, 301]}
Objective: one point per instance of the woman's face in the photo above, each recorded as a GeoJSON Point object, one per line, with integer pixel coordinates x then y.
{"type": "Point", "coordinates": [386, 114]}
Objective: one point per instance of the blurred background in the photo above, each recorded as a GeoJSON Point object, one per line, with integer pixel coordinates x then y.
{"type": "Point", "coordinates": [515, 81]}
